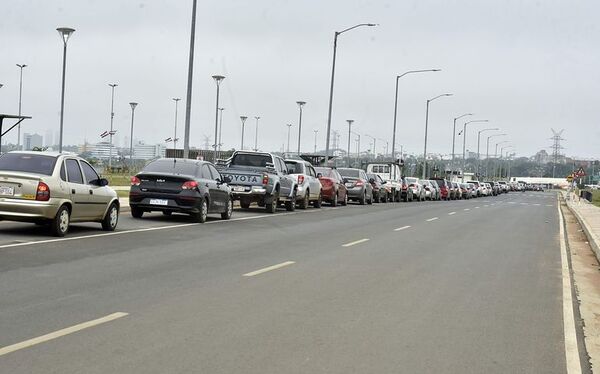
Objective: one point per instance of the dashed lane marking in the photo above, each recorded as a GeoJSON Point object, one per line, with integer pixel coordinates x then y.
{"type": "Point", "coordinates": [270, 268]}
{"type": "Point", "coordinates": [451, 213]}
{"type": "Point", "coordinates": [402, 228]}
{"type": "Point", "coordinates": [432, 219]}
{"type": "Point", "coordinates": [355, 242]}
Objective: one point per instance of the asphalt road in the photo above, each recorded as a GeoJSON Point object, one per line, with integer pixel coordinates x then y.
{"type": "Point", "coordinates": [439, 287]}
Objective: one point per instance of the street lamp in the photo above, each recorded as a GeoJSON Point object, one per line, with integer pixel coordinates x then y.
{"type": "Point", "coordinates": [133, 105]}
{"type": "Point", "coordinates": [220, 127]}
{"type": "Point", "coordinates": [300, 105]}
{"type": "Point", "coordinates": [501, 150]}
{"type": "Point", "coordinates": [188, 100]}
{"type": "Point", "coordinates": [21, 66]}
{"type": "Point", "coordinates": [350, 122]}
{"type": "Point", "coordinates": [289, 126]}
{"type": "Point", "coordinates": [65, 33]}
{"type": "Point", "coordinates": [496, 156]}
{"type": "Point", "coordinates": [426, 125]}
{"type": "Point", "coordinates": [396, 107]}
{"type": "Point", "coordinates": [464, 133]}
{"type": "Point", "coordinates": [374, 145]}
{"type": "Point", "coordinates": [176, 100]}
{"type": "Point", "coordinates": [487, 153]}
{"type": "Point", "coordinates": [315, 131]}
{"type": "Point", "coordinates": [243, 118]}
{"type": "Point", "coordinates": [357, 148]}
{"type": "Point", "coordinates": [112, 116]}
{"type": "Point", "coordinates": [218, 79]}
{"type": "Point", "coordinates": [454, 134]}
{"type": "Point", "coordinates": [387, 144]}
{"type": "Point", "coordinates": [478, 141]}
{"type": "Point", "coordinates": [256, 134]}
{"type": "Point", "coordinates": [335, 37]}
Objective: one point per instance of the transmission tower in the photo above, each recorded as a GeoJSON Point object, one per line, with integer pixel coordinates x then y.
{"type": "Point", "coordinates": [556, 147]}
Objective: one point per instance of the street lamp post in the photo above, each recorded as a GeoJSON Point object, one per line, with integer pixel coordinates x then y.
{"type": "Point", "coordinates": [357, 148]}
{"type": "Point", "coordinates": [374, 145]}
{"type": "Point", "coordinates": [218, 79]}
{"type": "Point", "coordinates": [65, 33]}
{"type": "Point", "coordinates": [188, 99]}
{"type": "Point", "coordinates": [300, 105]}
{"type": "Point", "coordinates": [487, 153]}
{"type": "Point", "coordinates": [133, 105]}
{"type": "Point", "coordinates": [220, 127]}
{"type": "Point", "coordinates": [426, 126]}
{"type": "Point", "coordinates": [496, 156]}
{"type": "Point", "coordinates": [350, 122]}
{"type": "Point", "coordinates": [396, 109]}
{"type": "Point", "coordinates": [478, 142]}
{"type": "Point", "coordinates": [176, 100]}
{"type": "Point", "coordinates": [316, 132]}
{"type": "Point", "coordinates": [243, 118]}
{"type": "Point", "coordinates": [335, 37]}
{"type": "Point", "coordinates": [256, 134]}
{"type": "Point", "coordinates": [454, 135]}
{"type": "Point", "coordinates": [21, 66]}
{"type": "Point", "coordinates": [501, 150]}
{"type": "Point", "coordinates": [112, 116]}
{"type": "Point", "coordinates": [387, 145]}
{"type": "Point", "coordinates": [289, 126]}
{"type": "Point", "coordinates": [464, 134]}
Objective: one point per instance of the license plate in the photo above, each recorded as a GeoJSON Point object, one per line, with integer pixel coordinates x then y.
{"type": "Point", "coordinates": [7, 191]}
{"type": "Point", "coordinates": [159, 202]}
{"type": "Point", "coordinates": [349, 184]}
{"type": "Point", "coordinates": [239, 188]}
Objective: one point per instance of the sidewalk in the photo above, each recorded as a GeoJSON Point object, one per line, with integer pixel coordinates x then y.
{"type": "Point", "coordinates": [588, 216]}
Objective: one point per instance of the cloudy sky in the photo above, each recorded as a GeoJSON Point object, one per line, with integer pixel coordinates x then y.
{"type": "Point", "coordinates": [527, 66]}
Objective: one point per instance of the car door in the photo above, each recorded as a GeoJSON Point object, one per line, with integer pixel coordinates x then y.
{"type": "Point", "coordinates": [222, 191]}
{"type": "Point", "coordinates": [99, 196]}
{"type": "Point", "coordinates": [285, 181]}
{"type": "Point", "coordinates": [206, 179]}
{"type": "Point", "coordinates": [315, 184]}
{"type": "Point", "coordinates": [78, 190]}
{"type": "Point", "coordinates": [368, 186]}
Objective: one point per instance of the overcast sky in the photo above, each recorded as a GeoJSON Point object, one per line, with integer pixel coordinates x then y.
{"type": "Point", "coordinates": [527, 66]}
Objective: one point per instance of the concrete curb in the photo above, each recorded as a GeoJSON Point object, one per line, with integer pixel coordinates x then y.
{"type": "Point", "coordinates": [593, 239]}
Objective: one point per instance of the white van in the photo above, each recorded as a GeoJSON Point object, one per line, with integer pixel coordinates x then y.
{"type": "Point", "coordinates": [390, 173]}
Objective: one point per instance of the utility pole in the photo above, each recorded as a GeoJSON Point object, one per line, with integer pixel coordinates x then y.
{"type": "Point", "coordinates": [112, 116]}
{"type": "Point", "coordinates": [350, 122]}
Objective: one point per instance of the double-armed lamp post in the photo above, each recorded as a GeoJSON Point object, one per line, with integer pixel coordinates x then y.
{"type": "Point", "coordinates": [426, 128]}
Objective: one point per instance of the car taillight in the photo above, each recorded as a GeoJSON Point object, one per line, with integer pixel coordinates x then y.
{"type": "Point", "coordinates": [359, 183]}
{"type": "Point", "coordinates": [189, 185]}
{"type": "Point", "coordinates": [300, 179]}
{"type": "Point", "coordinates": [265, 179]}
{"type": "Point", "coordinates": [43, 192]}
{"type": "Point", "coordinates": [135, 181]}
{"type": "Point", "coordinates": [326, 181]}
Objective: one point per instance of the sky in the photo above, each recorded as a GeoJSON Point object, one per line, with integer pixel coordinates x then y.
{"type": "Point", "coordinates": [526, 66]}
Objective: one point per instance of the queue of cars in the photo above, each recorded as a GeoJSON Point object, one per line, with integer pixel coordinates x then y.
{"type": "Point", "coordinates": [56, 189]}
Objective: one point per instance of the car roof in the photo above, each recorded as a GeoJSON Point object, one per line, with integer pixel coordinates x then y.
{"type": "Point", "coordinates": [44, 153]}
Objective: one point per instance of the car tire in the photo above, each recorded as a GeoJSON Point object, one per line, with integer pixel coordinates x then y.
{"type": "Point", "coordinates": [335, 200]}
{"type": "Point", "coordinates": [111, 219]}
{"type": "Point", "coordinates": [363, 199]}
{"type": "Point", "coordinates": [305, 202]}
{"type": "Point", "coordinates": [345, 201]}
{"type": "Point", "coordinates": [398, 197]}
{"type": "Point", "coordinates": [271, 203]}
{"type": "Point", "coordinates": [370, 201]}
{"type": "Point", "coordinates": [290, 205]}
{"type": "Point", "coordinates": [60, 223]}
{"type": "Point", "coordinates": [201, 216]}
{"type": "Point", "coordinates": [136, 212]}
{"type": "Point", "coordinates": [229, 210]}
{"type": "Point", "coordinates": [244, 204]}
{"type": "Point", "coordinates": [319, 202]}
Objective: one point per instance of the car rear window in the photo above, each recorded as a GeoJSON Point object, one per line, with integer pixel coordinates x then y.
{"type": "Point", "coordinates": [326, 172]}
{"type": "Point", "coordinates": [440, 182]}
{"type": "Point", "coordinates": [349, 173]}
{"type": "Point", "coordinates": [28, 163]}
{"type": "Point", "coordinates": [256, 160]}
{"type": "Point", "coordinates": [295, 167]}
{"type": "Point", "coordinates": [171, 166]}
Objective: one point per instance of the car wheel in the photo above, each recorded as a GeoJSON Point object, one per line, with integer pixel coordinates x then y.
{"type": "Point", "coordinates": [109, 223]}
{"type": "Point", "coordinates": [244, 204]}
{"type": "Point", "coordinates": [345, 201]}
{"type": "Point", "coordinates": [319, 202]}
{"type": "Point", "coordinates": [370, 201]}
{"type": "Point", "coordinates": [136, 212]}
{"type": "Point", "coordinates": [200, 217]}
{"type": "Point", "coordinates": [363, 199]}
{"type": "Point", "coordinates": [334, 201]}
{"type": "Point", "coordinates": [290, 205]}
{"type": "Point", "coordinates": [303, 204]}
{"type": "Point", "coordinates": [229, 210]}
{"type": "Point", "coordinates": [60, 223]}
{"type": "Point", "coordinates": [271, 203]}
{"type": "Point", "coordinates": [398, 197]}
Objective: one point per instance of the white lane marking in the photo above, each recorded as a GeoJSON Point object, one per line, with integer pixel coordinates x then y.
{"type": "Point", "coordinates": [512, 202]}
{"type": "Point", "coordinates": [402, 228]}
{"type": "Point", "coordinates": [548, 204]}
{"type": "Point", "coordinates": [270, 268]}
{"type": "Point", "coordinates": [451, 213]}
{"type": "Point", "coordinates": [466, 209]}
{"type": "Point", "coordinates": [432, 219]}
{"type": "Point", "coordinates": [60, 333]}
{"type": "Point", "coordinates": [355, 242]}
{"type": "Point", "coordinates": [571, 347]}
{"type": "Point", "coordinates": [476, 207]}
{"type": "Point", "coordinates": [485, 206]}
{"type": "Point", "coordinates": [536, 204]}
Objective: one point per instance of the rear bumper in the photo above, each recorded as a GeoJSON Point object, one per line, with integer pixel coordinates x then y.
{"type": "Point", "coordinates": [184, 203]}
{"type": "Point", "coordinates": [27, 210]}
{"type": "Point", "coordinates": [356, 193]}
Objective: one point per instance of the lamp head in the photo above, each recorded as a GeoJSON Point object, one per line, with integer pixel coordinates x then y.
{"type": "Point", "coordinates": [243, 118]}
{"type": "Point", "coordinates": [300, 103]}
{"type": "Point", "coordinates": [65, 33]}
{"type": "Point", "coordinates": [133, 105]}
{"type": "Point", "coordinates": [218, 78]}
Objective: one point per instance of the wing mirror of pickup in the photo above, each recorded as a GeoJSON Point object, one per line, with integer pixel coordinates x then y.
{"type": "Point", "coordinates": [226, 179]}
{"type": "Point", "coordinates": [319, 175]}
{"type": "Point", "coordinates": [371, 180]}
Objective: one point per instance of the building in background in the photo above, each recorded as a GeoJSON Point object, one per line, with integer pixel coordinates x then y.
{"type": "Point", "coordinates": [542, 157]}
{"type": "Point", "coordinates": [31, 141]}
{"type": "Point", "coordinates": [143, 151]}
{"type": "Point", "coordinates": [101, 150]}
{"type": "Point", "coordinates": [48, 139]}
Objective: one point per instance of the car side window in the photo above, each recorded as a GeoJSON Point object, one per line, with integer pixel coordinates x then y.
{"type": "Point", "coordinates": [89, 172]}
{"type": "Point", "coordinates": [74, 172]}
{"type": "Point", "coordinates": [205, 172]}
{"type": "Point", "coordinates": [281, 166]}
{"type": "Point", "coordinates": [311, 172]}
{"type": "Point", "coordinates": [63, 172]}
{"type": "Point", "coordinates": [215, 174]}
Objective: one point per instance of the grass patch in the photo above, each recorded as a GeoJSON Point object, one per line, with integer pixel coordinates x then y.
{"type": "Point", "coordinates": [596, 197]}
{"type": "Point", "coordinates": [118, 179]}
{"type": "Point", "coordinates": [123, 193]}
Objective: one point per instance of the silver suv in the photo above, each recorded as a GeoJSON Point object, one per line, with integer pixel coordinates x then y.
{"type": "Point", "coordinates": [55, 189]}
{"type": "Point", "coordinates": [309, 186]}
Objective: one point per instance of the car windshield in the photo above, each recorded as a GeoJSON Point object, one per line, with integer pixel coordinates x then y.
{"type": "Point", "coordinates": [171, 166]}
{"type": "Point", "coordinates": [251, 159]}
{"type": "Point", "coordinates": [349, 173]}
{"type": "Point", "coordinates": [27, 163]}
{"type": "Point", "coordinates": [295, 167]}
{"type": "Point", "coordinates": [325, 172]}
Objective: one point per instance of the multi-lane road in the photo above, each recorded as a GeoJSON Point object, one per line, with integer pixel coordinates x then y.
{"type": "Point", "coordinates": [433, 287]}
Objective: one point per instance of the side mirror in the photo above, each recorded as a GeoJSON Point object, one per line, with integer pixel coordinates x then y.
{"type": "Point", "coordinates": [319, 175]}
{"type": "Point", "coordinates": [371, 180]}
{"type": "Point", "coordinates": [226, 179]}
{"type": "Point", "coordinates": [345, 180]}
{"type": "Point", "coordinates": [384, 182]}
{"type": "Point", "coordinates": [100, 182]}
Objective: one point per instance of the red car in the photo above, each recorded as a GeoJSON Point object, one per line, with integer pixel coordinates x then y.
{"type": "Point", "coordinates": [333, 189]}
{"type": "Point", "coordinates": [444, 189]}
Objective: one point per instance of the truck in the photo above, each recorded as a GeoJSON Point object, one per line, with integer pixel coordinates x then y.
{"type": "Point", "coordinates": [261, 178]}
{"type": "Point", "coordinates": [391, 173]}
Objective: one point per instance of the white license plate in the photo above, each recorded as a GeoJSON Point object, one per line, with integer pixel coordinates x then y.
{"type": "Point", "coordinates": [349, 184]}
{"type": "Point", "coordinates": [7, 191]}
{"type": "Point", "coordinates": [159, 202]}
{"type": "Point", "coordinates": [239, 188]}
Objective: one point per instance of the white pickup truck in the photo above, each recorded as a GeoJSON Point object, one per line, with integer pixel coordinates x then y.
{"type": "Point", "coordinates": [391, 174]}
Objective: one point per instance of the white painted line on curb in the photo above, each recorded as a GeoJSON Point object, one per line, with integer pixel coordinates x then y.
{"type": "Point", "coordinates": [270, 268]}
{"type": "Point", "coordinates": [60, 333]}
{"type": "Point", "coordinates": [571, 347]}
{"type": "Point", "coordinates": [431, 219]}
{"type": "Point", "coordinates": [451, 213]}
{"type": "Point", "coordinates": [402, 228]}
{"type": "Point", "coordinates": [355, 242]}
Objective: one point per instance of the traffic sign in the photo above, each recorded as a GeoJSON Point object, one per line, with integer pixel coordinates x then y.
{"type": "Point", "coordinates": [580, 172]}
{"type": "Point", "coordinates": [570, 178]}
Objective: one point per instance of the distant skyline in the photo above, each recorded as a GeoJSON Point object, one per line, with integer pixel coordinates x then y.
{"type": "Point", "coordinates": [526, 66]}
